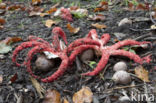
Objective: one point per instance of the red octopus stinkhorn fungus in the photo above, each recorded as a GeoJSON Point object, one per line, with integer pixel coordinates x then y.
{"type": "Point", "coordinates": [91, 41]}
{"type": "Point", "coordinates": [39, 45]}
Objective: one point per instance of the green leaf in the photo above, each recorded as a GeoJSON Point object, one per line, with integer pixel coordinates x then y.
{"type": "Point", "coordinates": [126, 48]}
{"type": "Point", "coordinates": [4, 48]}
{"type": "Point", "coordinates": [92, 64]}
{"type": "Point", "coordinates": [132, 50]}
{"type": "Point", "coordinates": [78, 15]}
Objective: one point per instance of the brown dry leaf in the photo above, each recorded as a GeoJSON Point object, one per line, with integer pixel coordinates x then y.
{"type": "Point", "coordinates": [33, 13]}
{"type": "Point", "coordinates": [14, 78]}
{"type": "Point", "coordinates": [1, 80]}
{"type": "Point", "coordinates": [98, 17]}
{"type": "Point", "coordinates": [142, 73]}
{"type": "Point", "coordinates": [72, 29]}
{"type": "Point", "coordinates": [74, 7]}
{"type": "Point", "coordinates": [49, 23]}
{"type": "Point", "coordinates": [38, 87]}
{"type": "Point", "coordinates": [102, 6]}
{"type": "Point", "coordinates": [103, 3]}
{"type": "Point", "coordinates": [84, 95]}
{"type": "Point", "coordinates": [13, 40]}
{"type": "Point", "coordinates": [2, 5]}
{"type": "Point", "coordinates": [51, 10]}
{"type": "Point", "coordinates": [65, 100]}
{"type": "Point", "coordinates": [98, 9]}
{"type": "Point", "coordinates": [2, 21]}
{"type": "Point", "coordinates": [130, 6]}
{"type": "Point", "coordinates": [142, 6]}
{"type": "Point", "coordinates": [99, 26]}
{"type": "Point", "coordinates": [16, 7]}
{"type": "Point", "coordinates": [52, 96]}
{"type": "Point", "coordinates": [36, 2]}
{"type": "Point", "coordinates": [43, 14]}
{"type": "Point", "coordinates": [1, 27]}
{"type": "Point", "coordinates": [153, 27]}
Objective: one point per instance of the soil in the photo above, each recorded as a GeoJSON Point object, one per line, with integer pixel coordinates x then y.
{"type": "Point", "coordinates": [19, 24]}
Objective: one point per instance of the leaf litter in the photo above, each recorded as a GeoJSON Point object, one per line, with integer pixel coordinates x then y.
{"type": "Point", "coordinates": [101, 7]}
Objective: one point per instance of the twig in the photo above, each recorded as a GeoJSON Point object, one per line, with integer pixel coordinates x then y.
{"type": "Point", "coordinates": [102, 74]}
{"type": "Point", "coordinates": [142, 36]}
{"type": "Point", "coordinates": [78, 64]}
{"type": "Point", "coordinates": [150, 38]}
{"type": "Point", "coordinates": [141, 29]}
{"type": "Point", "coordinates": [150, 10]}
{"type": "Point", "coordinates": [123, 87]}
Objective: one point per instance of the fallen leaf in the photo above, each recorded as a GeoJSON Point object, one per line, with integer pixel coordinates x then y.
{"type": "Point", "coordinates": [57, 13]}
{"type": "Point", "coordinates": [153, 27]}
{"type": "Point", "coordinates": [38, 87]}
{"type": "Point", "coordinates": [16, 7]}
{"type": "Point", "coordinates": [65, 100]}
{"type": "Point", "coordinates": [1, 80]}
{"type": "Point", "coordinates": [130, 6]}
{"type": "Point", "coordinates": [142, 6]}
{"type": "Point", "coordinates": [2, 5]}
{"type": "Point", "coordinates": [52, 96]}
{"type": "Point", "coordinates": [2, 21]}
{"type": "Point", "coordinates": [33, 13]}
{"type": "Point", "coordinates": [142, 73]}
{"type": "Point", "coordinates": [13, 40]}
{"type": "Point", "coordinates": [125, 21]}
{"type": "Point", "coordinates": [92, 64]}
{"type": "Point", "coordinates": [103, 3]}
{"type": "Point", "coordinates": [2, 12]}
{"type": "Point", "coordinates": [72, 29]}
{"type": "Point", "coordinates": [98, 17]}
{"type": "Point", "coordinates": [43, 14]}
{"type": "Point", "coordinates": [35, 9]}
{"type": "Point", "coordinates": [56, 5]}
{"type": "Point", "coordinates": [14, 78]}
{"type": "Point", "coordinates": [2, 56]}
{"type": "Point", "coordinates": [99, 26]}
{"type": "Point", "coordinates": [1, 27]}
{"type": "Point", "coordinates": [36, 2]}
{"type": "Point", "coordinates": [98, 9]}
{"type": "Point", "coordinates": [49, 23]}
{"type": "Point", "coordinates": [4, 48]}
{"type": "Point", "coordinates": [5, 44]}
{"type": "Point", "coordinates": [74, 7]}
{"type": "Point", "coordinates": [79, 13]}
{"type": "Point", "coordinates": [85, 95]}
{"type": "Point", "coordinates": [50, 55]}
{"type": "Point", "coordinates": [51, 10]}
{"type": "Point", "coordinates": [102, 6]}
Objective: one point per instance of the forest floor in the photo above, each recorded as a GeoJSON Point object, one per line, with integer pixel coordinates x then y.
{"type": "Point", "coordinates": [16, 83]}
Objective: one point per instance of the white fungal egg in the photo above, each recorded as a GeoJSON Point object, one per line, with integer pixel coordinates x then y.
{"type": "Point", "coordinates": [44, 64]}
{"type": "Point", "coordinates": [120, 66]}
{"type": "Point", "coordinates": [122, 77]}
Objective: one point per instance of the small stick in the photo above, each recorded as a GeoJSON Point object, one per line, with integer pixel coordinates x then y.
{"type": "Point", "coordinates": [78, 64]}
{"type": "Point", "coordinates": [123, 87]}
{"type": "Point", "coordinates": [142, 36]}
